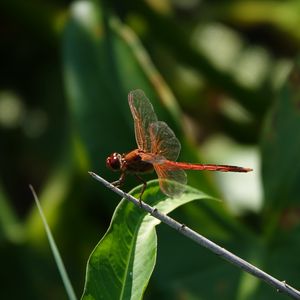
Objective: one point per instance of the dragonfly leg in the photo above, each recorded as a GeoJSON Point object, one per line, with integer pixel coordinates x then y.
{"type": "Point", "coordinates": [143, 188]}
{"type": "Point", "coordinates": [120, 181]}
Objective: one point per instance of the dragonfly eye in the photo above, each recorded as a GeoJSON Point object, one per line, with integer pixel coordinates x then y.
{"type": "Point", "coordinates": [113, 162]}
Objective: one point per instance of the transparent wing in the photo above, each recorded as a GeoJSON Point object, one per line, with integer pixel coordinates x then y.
{"type": "Point", "coordinates": [143, 115]}
{"type": "Point", "coordinates": [171, 181]}
{"type": "Point", "coordinates": [153, 158]}
{"type": "Point", "coordinates": [163, 141]}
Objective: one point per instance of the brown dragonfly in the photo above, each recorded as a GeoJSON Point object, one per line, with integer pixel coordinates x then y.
{"type": "Point", "coordinates": [158, 149]}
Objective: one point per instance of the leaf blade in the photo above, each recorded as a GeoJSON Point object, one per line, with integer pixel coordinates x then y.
{"type": "Point", "coordinates": [131, 235]}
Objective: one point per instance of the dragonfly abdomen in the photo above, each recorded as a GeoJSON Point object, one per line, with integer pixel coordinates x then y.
{"type": "Point", "coordinates": [207, 167]}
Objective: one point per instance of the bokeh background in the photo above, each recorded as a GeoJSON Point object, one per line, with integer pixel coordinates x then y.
{"type": "Point", "coordinates": [224, 75]}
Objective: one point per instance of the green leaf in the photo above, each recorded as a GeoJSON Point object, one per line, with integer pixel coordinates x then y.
{"type": "Point", "coordinates": [281, 147]}
{"type": "Point", "coordinates": [122, 263]}
{"type": "Point", "coordinates": [54, 249]}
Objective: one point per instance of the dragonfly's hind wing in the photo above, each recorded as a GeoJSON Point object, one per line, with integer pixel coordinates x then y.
{"type": "Point", "coordinates": [171, 181]}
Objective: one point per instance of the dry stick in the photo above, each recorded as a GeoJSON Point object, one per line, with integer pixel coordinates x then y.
{"type": "Point", "coordinates": [281, 286]}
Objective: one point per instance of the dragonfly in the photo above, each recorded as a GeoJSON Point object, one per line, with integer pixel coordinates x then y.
{"type": "Point", "coordinates": [157, 150]}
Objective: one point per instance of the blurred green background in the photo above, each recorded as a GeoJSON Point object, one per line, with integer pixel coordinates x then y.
{"type": "Point", "coordinates": [224, 75]}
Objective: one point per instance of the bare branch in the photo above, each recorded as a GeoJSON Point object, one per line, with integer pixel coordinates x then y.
{"type": "Point", "coordinates": [281, 286]}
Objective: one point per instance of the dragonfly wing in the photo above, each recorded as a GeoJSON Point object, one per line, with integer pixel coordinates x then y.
{"type": "Point", "coordinates": [143, 115]}
{"type": "Point", "coordinates": [171, 181]}
{"type": "Point", "coordinates": [163, 141]}
{"type": "Point", "coordinates": [152, 158]}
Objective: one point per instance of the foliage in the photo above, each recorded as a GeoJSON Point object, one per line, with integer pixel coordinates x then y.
{"type": "Point", "coordinates": [230, 68]}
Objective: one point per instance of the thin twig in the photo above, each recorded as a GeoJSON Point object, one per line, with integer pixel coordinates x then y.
{"type": "Point", "coordinates": [281, 286]}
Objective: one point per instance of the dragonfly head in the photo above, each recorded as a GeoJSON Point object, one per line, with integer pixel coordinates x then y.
{"type": "Point", "coordinates": [114, 161]}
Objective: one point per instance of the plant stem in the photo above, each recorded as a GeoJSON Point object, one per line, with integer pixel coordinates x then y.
{"type": "Point", "coordinates": [281, 286]}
